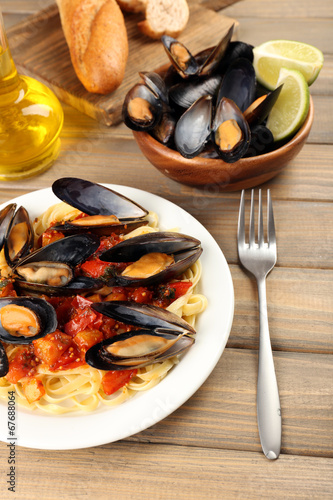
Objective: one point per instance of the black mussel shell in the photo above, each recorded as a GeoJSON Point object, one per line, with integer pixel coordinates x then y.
{"type": "Point", "coordinates": [71, 250]}
{"type": "Point", "coordinates": [262, 141]}
{"type": "Point", "coordinates": [184, 94]}
{"type": "Point", "coordinates": [156, 84]}
{"type": "Point", "coordinates": [164, 131]}
{"type": "Point", "coordinates": [239, 84]}
{"type": "Point", "coordinates": [4, 363]}
{"type": "Point", "coordinates": [19, 238]}
{"type": "Point", "coordinates": [43, 310]}
{"type": "Point", "coordinates": [217, 54]}
{"type": "Point", "coordinates": [99, 229]}
{"type": "Point", "coordinates": [98, 356]}
{"type": "Point", "coordinates": [95, 199]}
{"type": "Point", "coordinates": [258, 111]}
{"type": "Point", "coordinates": [228, 111]}
{"type": "Point", "coordinates": [142, 109]}
{"type": "Point", "coordinates": [185, 251]}
{"type": "Point", "coordinates": [77, 285]}
{"type": "Point", "coordinates": [6, 215]}
{"type": "Point", "coordinates": [236, 50]}
{"type": "Point", "coordinates": [180, 57]}
{"type": "Point", "coordinates": [143, 315]}
{"type": "Point", "coordinates": [193, 128]}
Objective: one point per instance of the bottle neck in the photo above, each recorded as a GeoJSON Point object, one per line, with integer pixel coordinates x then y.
{"type": "Point", "coordinates": [9, 78]}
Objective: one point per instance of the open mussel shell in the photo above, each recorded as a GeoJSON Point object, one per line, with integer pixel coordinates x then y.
{"type": "Point", "coordinates": [95, 199]}
{"type": "Point", "coordinates": [4, 363]}
{"type": "Point", "coordinates": [193, 128]}
{"type": "Point", "coordinates": [156, 84]}
{"type": "Point", "coordinates": [100, 225]}
{"type": "Point", "coordinates": [142, 347]}
{"type": "Point", "coordinates": [230, 131]}
{"type": "Point", "coordinates": [180, 57]}
{"type": "Point", "coordinates": [164, 131]}
{"type": "Point", "coordinates": [217, 54]}
{"type": "Point", "coordinates": [19, 238]}
{"type": "Point", "coordinates": [168, 255]}
{"type": "Point", "coordinates": [77, 286]}
{"type": "Point", "coordinates": [262, 141]}
{"type": "Point", "coordinates": [259, 109]}
{"type": "Point", "coordinates": [239, 84]}
{"type": "Point", "coordinates": [6, 215]}
{"type": "Point", "coordinates": [51, 267]}
{"type": "Point", "coordinates": [184, 94]}
{"type": "Point", "coordinates": [143, 315]}
{"type": "Point", "coordinates": [34, 314]}
{"type": "Point", "coordinates": [142, 108]}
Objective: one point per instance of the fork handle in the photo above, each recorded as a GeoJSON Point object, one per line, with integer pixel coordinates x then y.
{"type": "Point", "coordinates": [268, 400]}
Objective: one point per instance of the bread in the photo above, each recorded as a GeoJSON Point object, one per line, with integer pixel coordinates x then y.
{"type": "Point", "coordinates": [96, 35]}
{"type": "Point", "coordinates": [164, 17]}
{"type": "Point", "coordinates": [132, 5]}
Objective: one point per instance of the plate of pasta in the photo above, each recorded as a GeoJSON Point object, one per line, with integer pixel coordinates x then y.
{"type": "Point", "coordinates": [68, 403]}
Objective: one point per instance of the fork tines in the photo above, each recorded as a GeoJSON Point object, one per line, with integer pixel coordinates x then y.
{"type": "Point", "coordinates": [270, 222]}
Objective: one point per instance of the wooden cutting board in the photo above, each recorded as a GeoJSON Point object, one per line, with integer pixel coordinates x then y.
{"type": "Point", "coordinates": [40, 50]}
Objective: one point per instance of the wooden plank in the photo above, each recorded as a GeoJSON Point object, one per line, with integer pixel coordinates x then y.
{"type": "Point", "coordinates": [256, 30]}
{"type": "Point", "coordinates": [284, 9]}
{"type": "Point", "coordinates": [39, 50]}
{"type": "Point", "coordinates": [141, 471]}
{"type": "Point", "coordinates": [222, 413]}
{"type": "Point", "coordinates": [300, 310]}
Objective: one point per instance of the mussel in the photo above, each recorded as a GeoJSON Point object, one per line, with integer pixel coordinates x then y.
{"type": "Point", "coordinates": [162, 335]}
{"type": "Point", "coordinates": [153, 258]}
{"type": "Point", "coordinates": [259, 109]}
{"type": "Point", "coordinates": [50, 269]}
{"type": "Point", "coordinates": [239, 84]}
{"type": "Point", "coordinates": [217, 54]}
{"type": "Point", "coordinates": [20, 237]}
{"type": "Point", "coordinates": [230, 131]}
{"type": "Point", "coordinates": [142, 108]}
{"type": "Point", "coordinates": [4, 363]}
{"type": "Point", "coordinates": [108, 211]}
{"type": "Point", "coordinates": [24, 319]}
{"type": "Point", "coordinates": [6, 216]}
{"type": "Point", "coordinates": [184, 94]}
{"type": "Point", "coordinates": [180, 57]}
{"type": "Point", "coordinates": [193, 128]}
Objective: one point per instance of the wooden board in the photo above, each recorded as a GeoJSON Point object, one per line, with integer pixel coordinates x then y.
{"type": "Point", "coordinates": [40, 50]}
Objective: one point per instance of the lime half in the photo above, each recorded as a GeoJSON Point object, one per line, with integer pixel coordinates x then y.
{"type": "Point", "coordinates": [271, 56]}
{"type": "Point", "coordinates": [292, 106]}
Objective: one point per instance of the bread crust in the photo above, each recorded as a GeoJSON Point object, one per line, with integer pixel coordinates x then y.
{"type": "Point", "coordinates": [164, 17]}
{"type": "Point", "coordinates": [96, 35]}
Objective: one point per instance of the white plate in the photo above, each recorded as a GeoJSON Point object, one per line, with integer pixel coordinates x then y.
{"type": "Point", "coordinates": [105, 425]}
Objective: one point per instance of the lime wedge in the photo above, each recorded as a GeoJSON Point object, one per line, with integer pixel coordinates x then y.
{"type": "Point", "coordinates": [271, 56]}
{"type": "Point", "coordinates": [292, 105]}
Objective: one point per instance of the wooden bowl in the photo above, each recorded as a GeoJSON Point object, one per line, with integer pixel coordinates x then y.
{"type": "Point", "coordinates": [243, 174]}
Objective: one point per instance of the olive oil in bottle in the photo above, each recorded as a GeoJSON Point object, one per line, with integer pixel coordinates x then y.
{"type": "Point", "coordinates": [31, 120]}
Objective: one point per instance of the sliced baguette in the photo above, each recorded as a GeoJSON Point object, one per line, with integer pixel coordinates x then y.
{"type": "Point", "coordinates": [164, 17]}
{"type": "Point", "coordinates": [132, 5]}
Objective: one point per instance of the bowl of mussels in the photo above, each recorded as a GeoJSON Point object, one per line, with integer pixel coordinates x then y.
{"type": "Point", "coordinates": [201, 120]}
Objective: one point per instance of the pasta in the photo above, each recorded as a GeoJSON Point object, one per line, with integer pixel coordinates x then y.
{"type": "Point", "coordinates": [81, 388]}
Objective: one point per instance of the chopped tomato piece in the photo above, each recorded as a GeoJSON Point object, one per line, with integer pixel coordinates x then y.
{"type": "Point", "coordinates": [87, 338]}
{"type": "Point", "coordinates": [7, 290]}
{"type": "Point", "coordinates": [180, 288]}
{"type": "Point", "coordinates": [114, 380]}
{"type": "Point", "coordinates": [49, 236]}
{"type": "Point", "coordinates": [141, 295]}
{"type": "Point", "coordinates": [49, 348]}
{"type": "Point", "coordinates": [68, 360]}
{"type": "Point", "coordinates": [33, 389]}
{"type": "Point", "coordinates": [95, 268]}
{"type": "Point", "coordinates": [21, 365]}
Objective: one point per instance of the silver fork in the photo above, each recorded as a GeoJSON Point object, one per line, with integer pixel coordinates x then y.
{"type": "Point", "coordinates": [259, 258]}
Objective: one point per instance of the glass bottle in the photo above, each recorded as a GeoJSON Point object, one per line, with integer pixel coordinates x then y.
{"type": "Point", "coordinates": [31, 119]}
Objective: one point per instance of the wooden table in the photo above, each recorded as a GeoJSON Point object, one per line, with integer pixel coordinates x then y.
{"type": "Point", "coordinates": [209, 448]}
